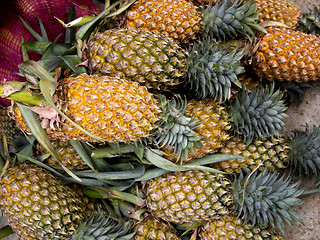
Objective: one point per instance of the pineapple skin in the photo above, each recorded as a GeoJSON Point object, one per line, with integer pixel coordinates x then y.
{"type": "Point", "coordinates": [68, 156]}
{"type": "Point", "coordinates": [8, 126]}
{"type": "Point", "coordinates": [115, 110]}
{"type": "Point", "coordinates": [178, 19]}
{"type": "Point", "coordinates": [287, 55]}
{"type": "Point", "coordinates": [152, 228]}
{"type": "Point", "coordinates": [38, 205]}
{"type": "Point", "coordinates": [214, 128]}
{"type": "Point", "coordinates": [231, 227]}
{"type": "Point", "coordinates": [187, 197]}
{"type": "Point", "coordinates": [271, 153]}
{"type": "Point", "coordinates": [154, 61]}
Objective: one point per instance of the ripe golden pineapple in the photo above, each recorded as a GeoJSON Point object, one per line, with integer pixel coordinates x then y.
{"type": "Point", "coordinates": [272, 152]}
{"type": "Point", "coordinates": [231, 227]}
{"type": "Point", "coordinates": [152, 228]}
{"type": "Point", "coordinates": [37, 205]}
{"type": "Point", "coordinates": [287, 55]}
{"type": "Point", "coordinates": [178, 19]}
{"type": "Point", "coordinates": [214, 128]}
{"type": "Point", "coordinates": [183, 21]}
{"type": "Point", "coordinates": [68, 155]}
{"type": "Point", "coordinates": [115, 110]}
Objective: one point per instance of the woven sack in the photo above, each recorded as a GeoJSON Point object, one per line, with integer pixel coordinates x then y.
{"type": "Point", "coordinates": [12, 30]}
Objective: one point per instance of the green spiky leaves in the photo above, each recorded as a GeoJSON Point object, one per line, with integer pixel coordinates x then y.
{"type": "Point", "coordinates": [212, 69]}
{"type": "Point", "coordinates": [258, 113]}
{"type": "Point", "coordinates": [99, 227]}
{"type": "Point", "coordinates": [310, 22]}
{"type": "Point", "coordinates": [228, 19]}
{"type": "Point", "coordinates": [265, 199]}
{"type": "Point", "coordinates": [305, 151]}
{"type": "Point", "coordinates": [176, 127]}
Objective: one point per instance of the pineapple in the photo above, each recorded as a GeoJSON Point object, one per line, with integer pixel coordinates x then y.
{"type": "Point", "coordinates": [273, 10]}
{"type": "Point", "coordinates": [272, 152]}
{"type": "Point", "coordinates": [39, 206]}
{"type": "Point", "coordinates": [231, 227]}
{"type": "Point", "coordinates": [183, 21]}
{"type": "Point", "coordinates": [287, 55]}
{"type": "Point", "coordinates": [34, 200]}
{"type": "Point", "coordinates": [196, 196]}
{"type": "Point", "coordinates": [252, 115]}
{"type": "Point", "coordinates": [68, 155]}
{"type": "Point", "coordinates": [152, 228]}
{"type": "Point", "coordinates": [8, 128]}
{"type": "Point", "coordinates": [160, 64]}
{"type": "Point", "coordinates": [110, 108]}
{"type": "Point", "coordinates": [153, 60]}
{"type": "Point", "coordinates": [214, 128]}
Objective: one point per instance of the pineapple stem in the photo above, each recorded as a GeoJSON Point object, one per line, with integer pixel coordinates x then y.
{"type": "Point", "coordinates": [22, 96]}
{"type": "Point", "coordinates": [5, 231]}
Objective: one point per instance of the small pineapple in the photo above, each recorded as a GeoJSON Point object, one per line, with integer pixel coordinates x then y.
{"type": "Point", "coordinates": [272, 152]}
{"type": "Point", "coordinates": [287, 55]}
{"type": "Point", "coordinates": [183, 21]}
{"type": "Point", "coordinates": [195, 196]}
{"type": "Point", "coordinates": [68, 155]}
{"type": "Point", "coordinates": [152, 228]}
{"type": "Point", "coordinates": [231, 227]}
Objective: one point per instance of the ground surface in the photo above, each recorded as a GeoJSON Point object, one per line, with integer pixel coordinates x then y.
{"type": "Point", "coordinates": [307, 112]}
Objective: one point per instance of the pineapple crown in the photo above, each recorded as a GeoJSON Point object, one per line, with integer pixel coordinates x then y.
{"type": "Point", "coordinates": [265, 199]}
{"type": "Point", "coordinates": [310, 22]}
{"type": "Point", "coordinates": [212, 69]}
{"type": "Point", "coordinates": [258, 113]}
{"type": "Point", "coordinates": [305, 150]}
{"type": "Point", "coordinates": [100, 227]}
{"type": "Point", "coordinates": [176, 127]}
{"type": "Point", "coordinates": [228, 19]}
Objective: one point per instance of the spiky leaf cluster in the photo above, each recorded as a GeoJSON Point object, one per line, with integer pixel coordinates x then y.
{"type": "Point", "coordinates": [98, 227]}
{"type": "Point", "coordinates": [176, 127]}
{"type": "Point", "coordinates": [305, 150]}
{"type": "Point", "coordinates": [310, 22]}
{"type": "Point", "coordinates": [265, 199]}
{"type": "Point", "coordinates": [212, 69]}
{"type": "Point", "coordinates": [228, 19]}
{"type": "Point", "coordinates": [258, 113]}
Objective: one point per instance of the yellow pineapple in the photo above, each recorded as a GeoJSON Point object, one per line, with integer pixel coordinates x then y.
{"type": "Point", "coordinates": [183, 21]}
{"type": "Point", "coordinates": [110, 108]}
{"type": "Point", "coordinates": [287, 55]}
{"type": "Point", "coordinates": [231, 227]}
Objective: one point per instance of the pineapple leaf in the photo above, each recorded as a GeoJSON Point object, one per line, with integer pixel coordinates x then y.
{"type": "Point", "coordinates": [83, 154]}
{"type": "Point", "coordinates": [33, 33]}
{"type": "Point", "coordinates": [73, 62]}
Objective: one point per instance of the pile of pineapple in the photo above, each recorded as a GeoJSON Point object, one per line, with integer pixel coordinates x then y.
{"type": "Point", "coordinates": [161, 120]}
